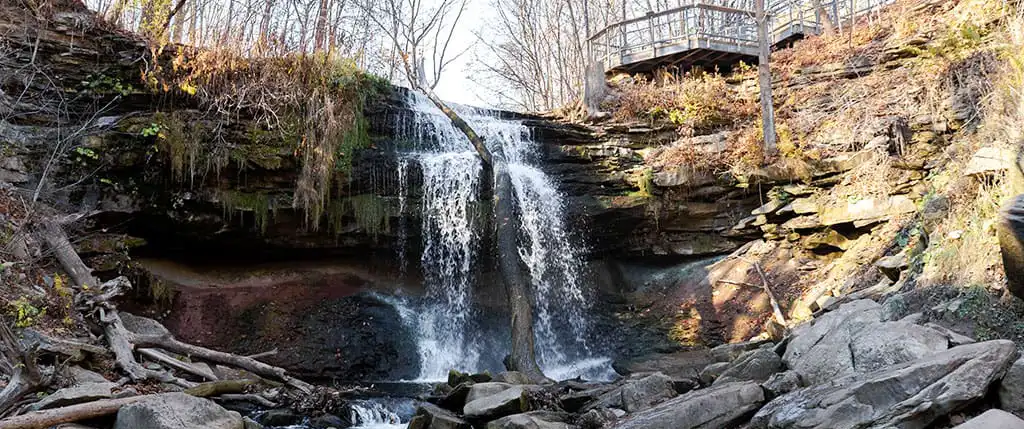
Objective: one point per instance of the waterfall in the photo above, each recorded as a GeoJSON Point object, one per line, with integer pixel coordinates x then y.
{"type": "Point", "coordinates": [373, 415]}
{"type": "Point", "coordinates": [451, 186]}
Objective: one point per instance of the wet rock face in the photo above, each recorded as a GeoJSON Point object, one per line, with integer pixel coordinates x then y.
{"type": "Point", "coordinates": [350, 338]}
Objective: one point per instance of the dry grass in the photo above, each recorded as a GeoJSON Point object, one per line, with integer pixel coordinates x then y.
{"type": "Point", "coordinates": [964, 250]}
{"type": "Point", "coordinates": [696, 103]}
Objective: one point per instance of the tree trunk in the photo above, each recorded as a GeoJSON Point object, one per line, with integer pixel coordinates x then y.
{"type": "Point", "coordinates": [523, 357]}
{"type": "Point", "coordinates": [321, 26]}
{"type": "Point", "coordinates": [764, 78]}
{"type": "Point", "coordinates": [263, 37]}
{"type": "Point", "coordinates": [826, 21]}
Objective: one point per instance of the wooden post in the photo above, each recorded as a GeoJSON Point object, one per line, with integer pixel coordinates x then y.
{"type": "Point", "coordinates": [650, 30]}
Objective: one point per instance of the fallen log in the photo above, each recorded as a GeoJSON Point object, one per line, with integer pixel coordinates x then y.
{"type": "Point", "coordinates": [163, 358]}
{"type": "Point", "coordinates": [119, 339]}
{"type": "Point", "coordinates": [222, 387]}
{"type": "Point", "coordinates": [72, 413]}
{"type": "Point", "coordinates": [246, 397]}
{"type": "Point", "coordinates": [168, 342]}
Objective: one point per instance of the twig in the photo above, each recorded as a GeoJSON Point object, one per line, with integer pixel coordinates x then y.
{"type": "Point", "coordinates": [247, 397]}
{"type": "Point", "coordinates": [264, 354]}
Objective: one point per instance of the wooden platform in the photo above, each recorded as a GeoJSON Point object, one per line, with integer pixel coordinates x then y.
{"type": "Point", "coordinates": [709, 34]}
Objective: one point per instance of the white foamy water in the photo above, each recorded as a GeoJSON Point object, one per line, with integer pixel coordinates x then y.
{"type": "Point", "coordinates": [451, 187]}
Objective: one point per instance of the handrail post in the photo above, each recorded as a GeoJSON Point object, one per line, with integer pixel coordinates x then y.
{"type": "Point", "coordinates": [650, 29]}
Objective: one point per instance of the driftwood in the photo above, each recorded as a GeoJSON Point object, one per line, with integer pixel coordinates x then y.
{"type": "Point", "coordinates": [776, 310]}
{"type": "Point", "coordinates": [246, 397]}
{"type": "Point", "coordinates": [264, 354]}
{"type": "Point", "coordinates": [74, 350]}
{"type": "Point", "coordinates": [254, 366]}
{"type": "Point", "coordinates": [163, 358]}
{"type": "Point", "coordinates": [120, 342]}
{"type": "Point", "coordinates": [73, 413]}
{"type": "Point", "coordinates": [21, 362]}
{"type": "Point", "coordinates": [222, 387]}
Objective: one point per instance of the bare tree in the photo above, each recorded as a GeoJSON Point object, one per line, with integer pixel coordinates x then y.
{"type": "Point", "coordinates": [764, 77]}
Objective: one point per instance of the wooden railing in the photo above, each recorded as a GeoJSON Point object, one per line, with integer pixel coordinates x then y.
{"type": "Point", "coordinates": [712, 25]}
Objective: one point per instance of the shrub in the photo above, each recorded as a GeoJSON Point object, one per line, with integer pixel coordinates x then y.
{"type": "Point", "coordinates": [696, 103]}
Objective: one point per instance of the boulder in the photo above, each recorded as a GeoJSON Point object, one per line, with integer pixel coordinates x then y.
{"type": "Point", "coordinates": [1011, 389]}
{"type": "Point", "coordinates": [636, 394]}
{"type": "Point", "coordinates": [507, 402]}
{"type": "Point", "coordinates": [954, 338]}
{"type": "Point", "coordinates": [880, 345]}
{"type": "Point", "coordinates": [988, 160]}
{"type": "Point", "coordinates": [679, 366]}
{"type": "Point", "coordinates": [176, 411]}
{"type": "Point", "coordinates": [328, 421]}
{"type": "Point", "coordinates": [852, 339]}
{"type": "Point", "coordinates": [482, 390]}
{"type": "Point", "coordinates": [782, 383]}
{"type": "Point", "coordinates": [717, 407]}
{"type": "Point", "coordinates": [711, 372]}
{"type": "Point", "coordinates": [81, 375]}
{"type": "Point", "coordinates": [912, 394]}
{"type": "Point", "coordinates": [248, 423]}
{"type": "Point", "coordinates": [596, 419]}
{"type": "Point", "coordinates": [455, 399]}
{"type": "Point", "coordinates": [531, 420]}
{"type": "Point", "coordinates": [893, 265]}
{"type": "Point", "coordinates": [755, 365]}
{"type": "Point", "coordinates": [993, 419]}
{"type": "Point", "coordinates": [434, 417]}
{"type": "Point", "coordinates": [643, 393]}
{"type": "Point", "coordinates": [85, 392]}
{"type": "Point", "coordinates": [575, 401]}
{"type": "Point", "coordinates": [1010, 230]}
{"type": "Point", "coordinates": [732, 351]}
{"type": "Point", "coordinates": [456, 378]}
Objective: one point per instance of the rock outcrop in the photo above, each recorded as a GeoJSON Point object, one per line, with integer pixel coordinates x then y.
{"type": "Point", "coordinates": [912, 394]}
{"type": "Point", "coordinates": [852, 339]}
{"type": "Point", "coordinates": [176, 411]}
{"type": "Point", "coordinates": [717, 407]}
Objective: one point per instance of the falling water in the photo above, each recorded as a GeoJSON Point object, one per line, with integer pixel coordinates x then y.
{"type": "Point", "coordinates": [373, 415]}
{"type": "Point", "coordinates": [451, 186]}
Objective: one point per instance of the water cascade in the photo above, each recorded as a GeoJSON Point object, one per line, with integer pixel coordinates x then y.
{"type": "Point", "coordinates": [373, 415]}
{"type": "Point", "coordinates": [451, 177]}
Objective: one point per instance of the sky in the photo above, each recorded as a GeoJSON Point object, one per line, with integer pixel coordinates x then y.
{"type": "Point", "coordinates": [455, 84]}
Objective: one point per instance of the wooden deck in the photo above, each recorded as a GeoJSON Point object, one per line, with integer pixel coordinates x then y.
{"type": "Point", "coordinates": [711, 33]}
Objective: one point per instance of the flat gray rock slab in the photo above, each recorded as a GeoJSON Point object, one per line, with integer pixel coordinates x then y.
{"type": "Point", "coordinates": [993, 419]}
{"type": "Point", "coordinates": [853, 339]}
{"type": "Point", "coordinates": [507, 402]}
{"type": "Point", "coordinates": [908, 395]}
{"type": "Point", "coordinates": [717, 407]}
{"type": "Point", "coordinates": [177, 411]}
